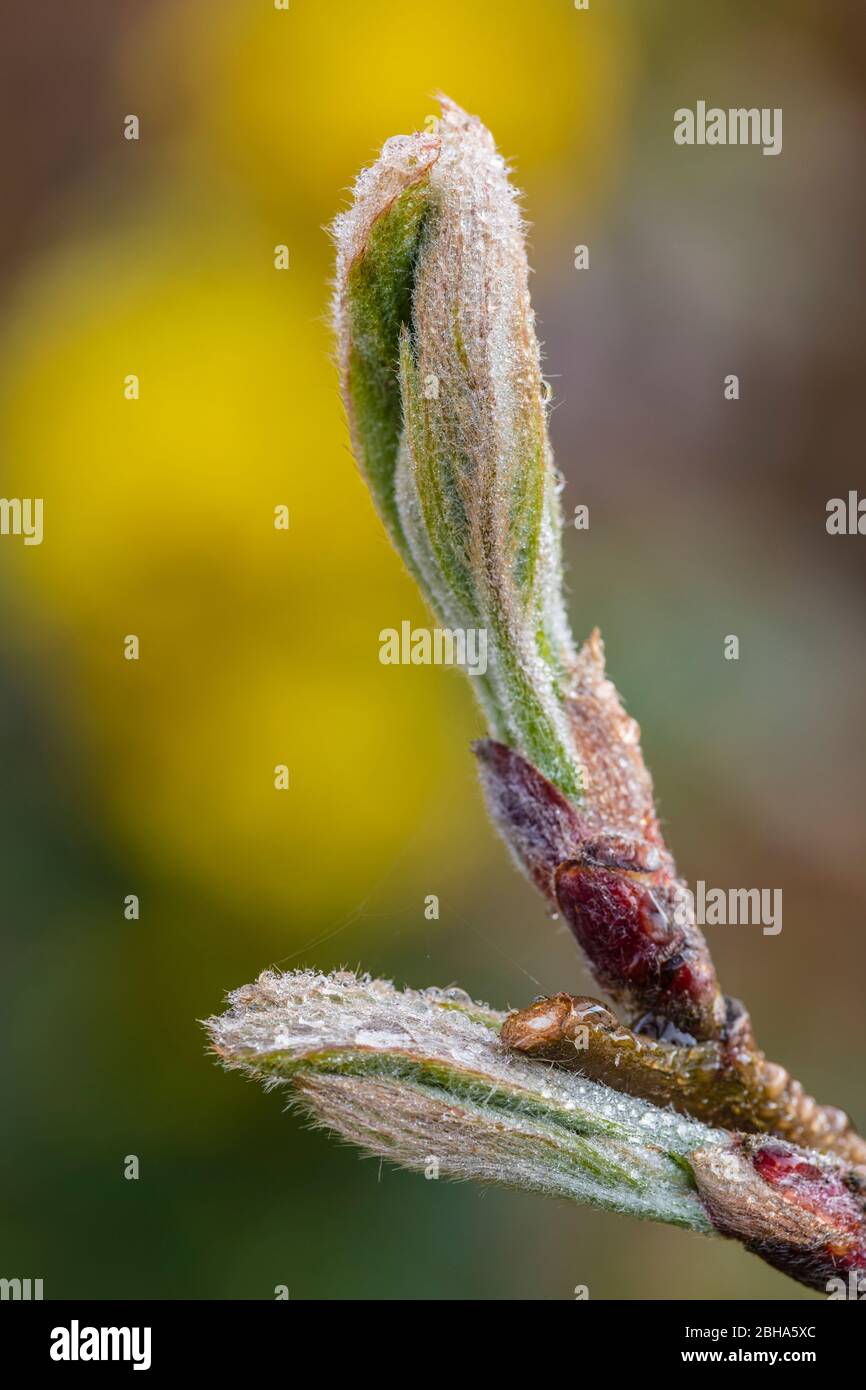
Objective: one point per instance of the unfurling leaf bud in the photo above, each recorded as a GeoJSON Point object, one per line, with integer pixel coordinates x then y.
{"type": "Point", "coordinates": [441, 377]}
{"type": "Point", "coordinates": [409, 1075]}
{"type": "Point", "coordinates": [421, 1079]}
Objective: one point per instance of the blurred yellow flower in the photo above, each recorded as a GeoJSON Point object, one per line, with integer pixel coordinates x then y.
{"type": "Point", "coordinates": [258, 646]}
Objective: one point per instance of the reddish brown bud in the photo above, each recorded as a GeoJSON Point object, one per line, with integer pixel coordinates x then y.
{"type": "Point", "coordinates": [803, 1214]}
{"type": "Point", "coordinates": [617, 892]}
{"type": "Point", "coordinates": [625, 919]}
{"type": "Point", "coordinates": [540, 827]}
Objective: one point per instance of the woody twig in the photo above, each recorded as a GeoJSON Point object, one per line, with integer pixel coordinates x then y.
{"type": "Point", "coordinates": [688, 1046]}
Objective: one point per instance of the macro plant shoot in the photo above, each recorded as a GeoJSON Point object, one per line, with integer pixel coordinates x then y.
{"type": "Point", "coordinates": [656, 1100]}
{"type": "Point", "coordinates": [432, 647]}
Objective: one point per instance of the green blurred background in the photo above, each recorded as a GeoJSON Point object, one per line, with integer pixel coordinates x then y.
{"type": "Point", "coordinates": [260, 647]}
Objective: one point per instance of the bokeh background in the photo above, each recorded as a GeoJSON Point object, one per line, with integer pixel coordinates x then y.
{"type": "Point", "coordinates": [260, 647]}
